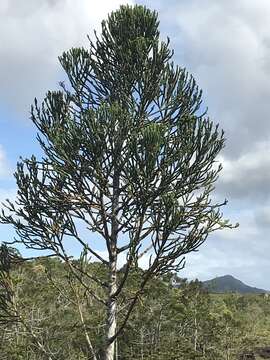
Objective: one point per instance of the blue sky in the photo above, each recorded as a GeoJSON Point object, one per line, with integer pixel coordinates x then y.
{"type": "Point", "coordinates": [225, 44]}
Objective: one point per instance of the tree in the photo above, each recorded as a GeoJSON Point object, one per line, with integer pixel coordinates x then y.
{"type": "Point", "coordinates": [128, 153]}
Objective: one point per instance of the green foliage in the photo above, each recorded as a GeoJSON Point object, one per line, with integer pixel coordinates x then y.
{"type": "Point", "coordinates": [168, 323]}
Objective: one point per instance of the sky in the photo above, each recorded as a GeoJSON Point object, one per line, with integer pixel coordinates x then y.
{"type": "Point", "coordinates": [224, 44]}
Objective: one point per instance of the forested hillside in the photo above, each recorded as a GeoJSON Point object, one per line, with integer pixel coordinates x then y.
{"type": "Point", "coordinates": [228, 283]}
{"type": "Point", "coordinates": [47, 309]}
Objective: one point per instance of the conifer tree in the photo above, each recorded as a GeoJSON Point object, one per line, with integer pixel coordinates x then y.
{"type": "Point", "coordinates": [127, 152]}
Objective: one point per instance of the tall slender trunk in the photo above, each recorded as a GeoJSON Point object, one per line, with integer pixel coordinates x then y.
{"type": "Point", "coordinates": [111, 315]}
{"type": "Point", "coordinates": [112, 299]}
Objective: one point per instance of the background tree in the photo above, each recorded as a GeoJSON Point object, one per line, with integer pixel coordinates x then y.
{"type": "Point", "coordinates": [127, 152]}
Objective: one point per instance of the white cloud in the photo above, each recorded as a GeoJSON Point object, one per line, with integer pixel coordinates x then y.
{"type": "Point", "coordinates": [4, 169]}
{"type": "Point", "coordinates": [247, 176]}
{"type": "Point", "coordinates": [242, 252]}
{"type": "Point", "coordinates": [34, 34]}
{"type": "Point", "coordinates": [226, 45]}
{"type": "Point", "coordinates": [262, 217]}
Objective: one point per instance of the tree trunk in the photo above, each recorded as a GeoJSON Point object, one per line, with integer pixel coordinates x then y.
{"type": "Point", "coordinates": [111, 315]}
{"type": "Point", "coordinates": [109, 353]}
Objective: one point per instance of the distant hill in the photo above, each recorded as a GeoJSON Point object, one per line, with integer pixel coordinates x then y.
{"type": "Point", "coordinates": [228, 283]}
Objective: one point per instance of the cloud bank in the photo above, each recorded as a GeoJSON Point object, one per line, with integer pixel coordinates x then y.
{"type": "Point", "coordinates": [225, 44]}
{"type": "Point", "coordinates": [36, 32]}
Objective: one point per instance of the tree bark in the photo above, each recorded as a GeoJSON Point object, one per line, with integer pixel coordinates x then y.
{"type": "Point", "coordinates": [111, 314]}
{"type": "Point", "coordinates": [109, 353]}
